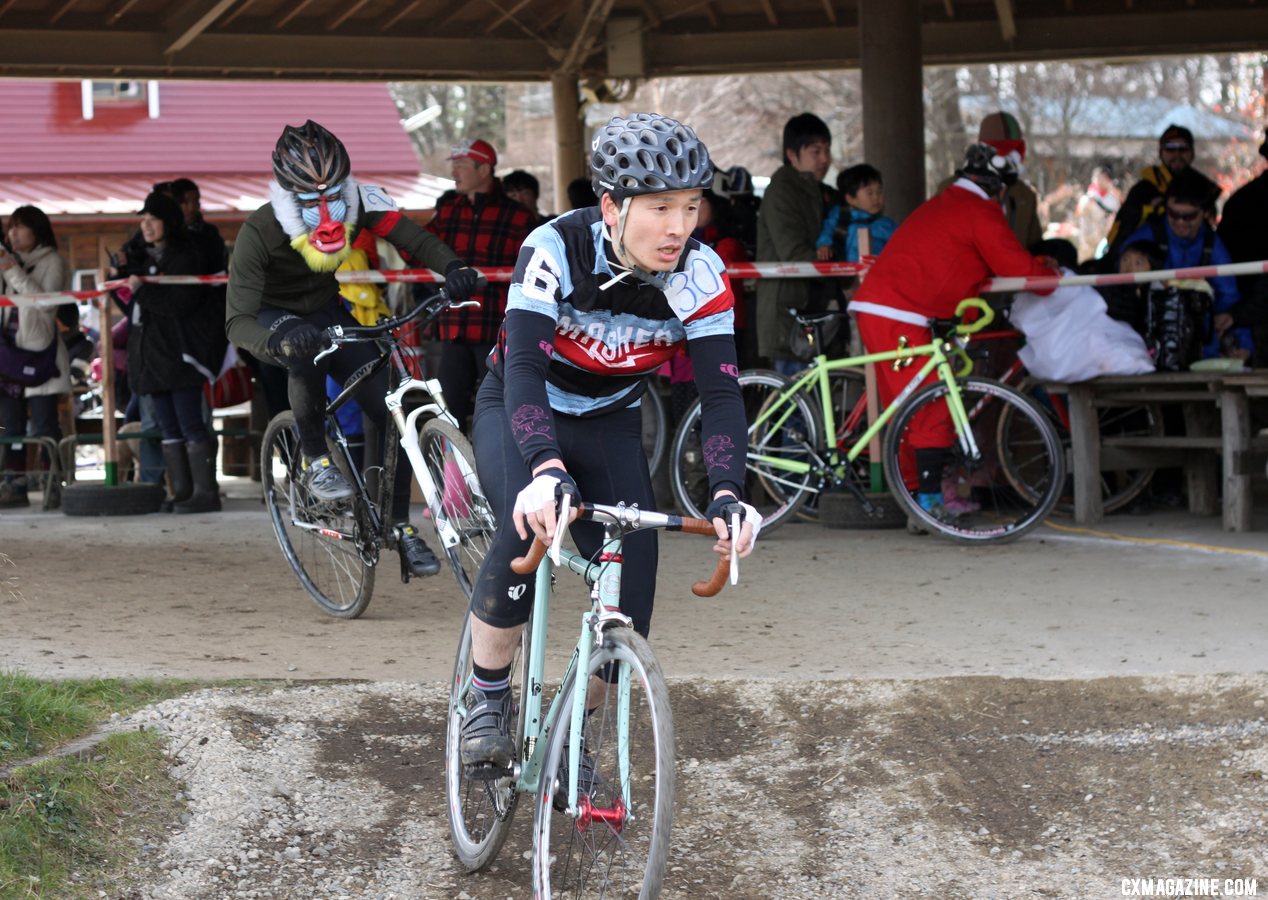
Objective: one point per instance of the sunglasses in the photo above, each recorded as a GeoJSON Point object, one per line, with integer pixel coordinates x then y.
{"type": "Point", "coordinates": [1176, 145]}
{"type": "Point", "coordinates": [1183, 217]}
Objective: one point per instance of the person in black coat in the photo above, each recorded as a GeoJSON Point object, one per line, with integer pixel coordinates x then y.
{"type": "Point", "coordinates": [175, 346]}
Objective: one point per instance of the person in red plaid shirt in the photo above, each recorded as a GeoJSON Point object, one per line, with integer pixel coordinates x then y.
{"type": "Point", "coordinates": [484, 227]}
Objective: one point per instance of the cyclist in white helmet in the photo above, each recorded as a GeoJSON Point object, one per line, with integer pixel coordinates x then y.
{"type": "Point", "coordinates": [601, 297]}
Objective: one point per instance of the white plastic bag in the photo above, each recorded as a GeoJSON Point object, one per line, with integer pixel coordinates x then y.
{"type": "Point", "coordinates": [1070, 337]}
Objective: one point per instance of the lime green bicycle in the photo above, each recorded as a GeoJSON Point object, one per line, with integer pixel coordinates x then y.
{"type": "Point", "coordinates": [809, 435]}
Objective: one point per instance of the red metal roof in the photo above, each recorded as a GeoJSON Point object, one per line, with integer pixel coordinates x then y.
{"type": "Point", "coordinates": [205, 127]}
{"type": "Point", "coordinates": [122, 195]}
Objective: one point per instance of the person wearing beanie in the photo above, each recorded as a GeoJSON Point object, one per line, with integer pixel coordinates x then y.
{"type": "Point", "coordinates": [1001, 131]}
{"type": "Point", "coordinates": [939, 255]}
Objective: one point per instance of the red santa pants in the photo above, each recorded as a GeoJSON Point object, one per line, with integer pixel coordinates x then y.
{"type": "Point", "coordinates": [932, 427]}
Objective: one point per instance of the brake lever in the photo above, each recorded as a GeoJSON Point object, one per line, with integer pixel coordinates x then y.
{"type": "Point", "coordinates": [565, 508]}
{"type": "Point", "coordinates": [735, 553]}
{"type": "Point", "coordinates": [465, 304]}
{"type": "Point", "coordinates": [334, 334]}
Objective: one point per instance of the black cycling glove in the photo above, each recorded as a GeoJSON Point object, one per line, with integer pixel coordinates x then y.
{"type": "Point", "coordinates": [297, 345]}
{"type": "Point", "coordinates": [461, 281]}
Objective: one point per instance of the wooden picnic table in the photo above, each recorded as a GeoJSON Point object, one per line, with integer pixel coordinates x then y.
{"type": "Point", "coordinates": [1218, 440]}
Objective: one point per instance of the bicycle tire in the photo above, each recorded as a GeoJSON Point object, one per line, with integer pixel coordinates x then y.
{"type": "Point", "coordinates": [337, 573]}
{"type": "Point", "coordinates": [655, 427]}
{"type": "Point", "coordinates": [1119, 486]}
{"type": "Point", "coordinates": [460, 499]}
{"type": "Point", "coordinates": [1003, 513]}
{"type": "Point", "coordinates": [480, 812]}
{"type": "Point", "coordinates": [603, 857]}
{"type": "Point", "coordinates": [776, 494]}
{"type": "Point", "coordinates": [846, 389]}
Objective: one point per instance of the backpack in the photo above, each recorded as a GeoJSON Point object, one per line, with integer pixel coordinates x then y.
{"type": "Point", "coordinates": [1177, 325]}
{"type": "Point", "coordinates": [28, 368]}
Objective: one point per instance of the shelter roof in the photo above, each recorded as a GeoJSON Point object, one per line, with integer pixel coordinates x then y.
{"type": "Point", "coordinates": [504, 40]}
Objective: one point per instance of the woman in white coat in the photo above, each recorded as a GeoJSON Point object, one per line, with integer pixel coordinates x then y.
{"type": "Point", "coordinates": [30, 265]}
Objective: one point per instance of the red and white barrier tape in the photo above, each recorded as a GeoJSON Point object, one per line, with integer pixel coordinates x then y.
{"type": "Point", "coordinates": [737, 270]}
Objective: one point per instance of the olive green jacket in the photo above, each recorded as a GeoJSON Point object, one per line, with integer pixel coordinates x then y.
{"type": "Point", "coordinates": [265, 270]}
{"type": "Point", "coordinates": [788, 226]}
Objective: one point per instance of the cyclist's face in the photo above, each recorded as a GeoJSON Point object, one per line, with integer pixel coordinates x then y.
{"type": "Point", "coordinates": [657, 226]}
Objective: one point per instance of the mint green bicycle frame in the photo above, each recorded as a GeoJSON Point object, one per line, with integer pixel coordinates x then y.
{"type": "Point", "coordinates": [777, 413]}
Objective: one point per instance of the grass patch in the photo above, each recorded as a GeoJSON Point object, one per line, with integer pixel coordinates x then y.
{"type": "Point", "coordinates": [69, 827]}
{"type": "Point", "coordinates": [37, 715]}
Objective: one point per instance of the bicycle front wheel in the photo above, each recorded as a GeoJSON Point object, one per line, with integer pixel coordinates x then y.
{"type": "Point", "coordinates": [781, 472]}
{"type": "Point", "coordinates": [327, 543]}
{"type": "Point", "coordinates": [979, 500]}
{"type": "Point", "coordinates": [480, 810]}
{"type": "Point", "coordinates": [616, 844]}
{"type": "Point", "coordinates": [460, 499]}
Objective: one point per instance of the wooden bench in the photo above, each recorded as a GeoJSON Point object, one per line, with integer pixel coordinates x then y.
{"type": "Point", "coordinates": [1217, 441]}
{"type": "Point", "coordinates": [54, 477]}
{"type": "Point", "coordinates": [222, 428]}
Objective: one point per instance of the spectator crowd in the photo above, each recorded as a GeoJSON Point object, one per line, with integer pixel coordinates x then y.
{"type": "Point", "coordinates": [172, 350]}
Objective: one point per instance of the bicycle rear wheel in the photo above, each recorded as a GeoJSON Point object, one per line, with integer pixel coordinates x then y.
{"type": "Point", "coordinates": [655, 427]}
{"type": "Point", "coordinates": [1121, 481]}
{"type": "Point", "coordinates": [785, 439]}
{"type": "Point", "coordinates": [618, 844]}
{"type": "Point", "coordinates": [982, 503]}
{"type": "Point", "coordinates": [328, 544]}
{"type": "Point", "coordinates": [461, 502]}
{"type": "Point", "coordinates": [480, 810]}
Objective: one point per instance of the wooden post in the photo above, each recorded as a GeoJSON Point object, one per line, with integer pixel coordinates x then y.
{"type": "Point", "coordinates": [1085, 441]}
{"type": "Point", "coordinates": [1201, 467]}
{"type": "Point", "coordinates": [109, 448]}
{"type": "Point", "coordinates": [569, 141]}
{"type": "Point", "coordinates": [1235, 420]}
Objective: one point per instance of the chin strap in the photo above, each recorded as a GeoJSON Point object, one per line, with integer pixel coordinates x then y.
{"type": "Point", "coordinates": [655, 279]}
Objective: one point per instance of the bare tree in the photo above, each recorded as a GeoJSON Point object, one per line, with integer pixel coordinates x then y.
{"type": "Point", "coordinates": [465, 110]}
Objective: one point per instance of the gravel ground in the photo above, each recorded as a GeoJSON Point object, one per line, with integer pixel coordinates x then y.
{"type": "Point", "coordinates": [973, 787]}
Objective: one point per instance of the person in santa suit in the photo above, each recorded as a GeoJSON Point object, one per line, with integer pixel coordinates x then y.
{"type": "Point", "coordinates": [937, 257]}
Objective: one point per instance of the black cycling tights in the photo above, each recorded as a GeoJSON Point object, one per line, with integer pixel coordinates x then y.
{"type": "Point", "coordinates": [604, 455]}
{"type": "Point", "coordinates": [306, 386]}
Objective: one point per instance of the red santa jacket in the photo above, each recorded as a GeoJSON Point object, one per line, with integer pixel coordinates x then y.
{"type": "Point", "coordinates": [943, 251]}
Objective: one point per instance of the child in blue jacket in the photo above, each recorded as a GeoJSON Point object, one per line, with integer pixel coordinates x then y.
{"type": "Point", "coordinates": [863, 207]}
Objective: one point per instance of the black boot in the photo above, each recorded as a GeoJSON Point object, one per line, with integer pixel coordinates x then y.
{"type": "Point", "coordinates": [176, 461]}
{"type": "Point", "coordinates": [202, 466]}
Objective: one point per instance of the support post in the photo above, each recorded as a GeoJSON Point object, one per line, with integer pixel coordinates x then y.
{"type": "Point", "coordinates": [569, 141]}
{"type": "Point", "coordinates": [893, 105]}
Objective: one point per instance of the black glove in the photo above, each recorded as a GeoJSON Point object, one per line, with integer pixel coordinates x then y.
{"type": "Point", "coordinates": [461, 281]}
{"type": "Point", "coordinates": [297, 345]}
{"type": "Point", "coordinates": [721, 508]}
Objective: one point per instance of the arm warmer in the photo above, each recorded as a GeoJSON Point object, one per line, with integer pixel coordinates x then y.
{"type": "Point", "coordinates": [529, 337]}
{"type": "Point", "coordinates": [724, 429]}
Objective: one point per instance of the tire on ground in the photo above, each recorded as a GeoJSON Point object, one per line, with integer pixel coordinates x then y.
{"type": "Point", "coordinates": [844, 511]}
{"type": "Point", "coordinates": [132, 499]}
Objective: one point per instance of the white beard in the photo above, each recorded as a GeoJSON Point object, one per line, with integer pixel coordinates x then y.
{"type": "Point", "coordinates": [286, 206]}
